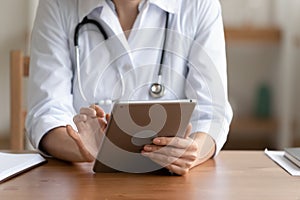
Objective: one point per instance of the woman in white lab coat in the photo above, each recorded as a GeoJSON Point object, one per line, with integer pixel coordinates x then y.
{"type": "Point", "coordinates": [123, 67]}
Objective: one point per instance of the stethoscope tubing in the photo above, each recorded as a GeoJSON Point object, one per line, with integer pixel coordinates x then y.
{"type": "Point", "coordinates": [156, 89]}
{"type": "Point", "coordinates": [86, 21]}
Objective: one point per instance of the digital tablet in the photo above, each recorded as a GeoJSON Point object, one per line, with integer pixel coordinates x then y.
{"type": "Point", "coordinates": [134, 124]}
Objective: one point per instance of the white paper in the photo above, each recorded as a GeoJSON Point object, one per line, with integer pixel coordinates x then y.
{"type": "Point", "coordinates": [12, 164]}
{"type": "Point", "coordinates": [278, 157]}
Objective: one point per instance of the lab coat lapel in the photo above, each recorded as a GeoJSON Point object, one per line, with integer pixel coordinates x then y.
{"type": "Point", "coordinates": [107, 16]}
{"type": "Point", "coordinates": [117, 44]}
{"type": "Point", "coordinates": [110, 18]}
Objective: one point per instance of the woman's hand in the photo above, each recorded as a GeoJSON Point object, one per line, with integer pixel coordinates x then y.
{"type": "Point", "coordinates": [91, 123]}
{"type": "Point", "coordinates": [179, 155]}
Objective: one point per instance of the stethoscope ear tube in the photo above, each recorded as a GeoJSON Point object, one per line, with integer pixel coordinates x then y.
{"type": "Point", "coordinates": [156, 90]}
{"type": "Point", "coordinates": [84, 22]}
{"type": "Point", "coordinates": [78, 73]}
{"type": "Point", "coordinates": [77, 53]}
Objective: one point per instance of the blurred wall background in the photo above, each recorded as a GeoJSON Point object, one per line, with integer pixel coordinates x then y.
{"type": "Point", "coordinates": [263, 63]}
{"type": "Point", "coordinates": [16, 19]}
{"type": "Point", "coordinates": [263, 48]}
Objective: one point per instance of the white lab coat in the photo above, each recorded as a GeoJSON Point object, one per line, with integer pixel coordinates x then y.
{"type": "Point", "coordinates": [194, 65]}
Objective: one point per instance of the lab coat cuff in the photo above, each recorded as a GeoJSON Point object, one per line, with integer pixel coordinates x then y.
{"type": "Point", "coordinates": [217, 131]}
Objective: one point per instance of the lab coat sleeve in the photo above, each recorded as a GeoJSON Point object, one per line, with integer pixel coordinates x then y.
{"type": "Point", "coordinates": [207, 76]}
{"type": "Point", "coordinates": [50, 100]}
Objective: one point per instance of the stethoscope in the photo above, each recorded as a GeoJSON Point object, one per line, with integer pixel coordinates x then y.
{"type": "Point", "coordinates": [156, 90]}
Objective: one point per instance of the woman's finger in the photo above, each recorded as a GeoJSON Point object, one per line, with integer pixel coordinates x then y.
{"type": "Point", "coordinates": [103, 123]}
{"type": "Point", "coordinates": [99, 111]}
{"type": "Point", "coordinates": [188, 130]}
{"type": "Point", "coordinates": [72, 133]}
{"type": "Point", "coordinates": [80, 122]}
{"type": "Point", "coordinates": [177, 169]}
{"type": "Point", "coordinates": [160, 159]}
{"type": "Point", "coordinates": [79, 118]}
{"type": "Point", "coordinates": [176, 165]}
{"type": "Point", "coordinates": [90, 112]}
{"type": "Point", "coordinates": [177, 142]}
{"type": "Point", "coordinates": [187, 154]}
{"type": "Point", "coordinates": [166, 150]}
{"type": "Point", "coordinates": [107, 116]}
{"type": "Point", "coordinates": [76, 137]}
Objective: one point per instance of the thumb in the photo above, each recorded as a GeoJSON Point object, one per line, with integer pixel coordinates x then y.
{"type": "Point", "coordinates": [188, 130]}
{"type": "Point", "coordinates": [72, 133]}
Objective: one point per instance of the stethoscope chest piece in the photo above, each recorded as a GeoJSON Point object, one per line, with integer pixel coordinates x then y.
{"type": "Point", "coordinates": [157, 90]}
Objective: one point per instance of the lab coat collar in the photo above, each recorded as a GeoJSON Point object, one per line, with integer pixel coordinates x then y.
{"type": "Point", "coordinates": [85, 7]}
{"type": "Point", "coordinates": [170, 6]}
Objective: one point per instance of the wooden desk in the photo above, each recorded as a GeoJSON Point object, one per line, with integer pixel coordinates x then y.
{"type": "Point", "coordinates": [232, 175]}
